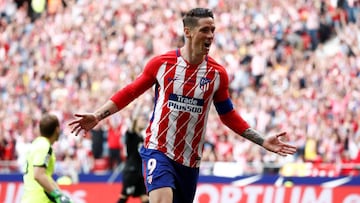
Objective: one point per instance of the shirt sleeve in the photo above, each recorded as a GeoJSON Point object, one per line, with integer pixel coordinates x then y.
{"type": "Point", "coordinates": [224, 106]}
{"type": "Point", "coordinates": [222, 93]}
{"type": "Point", "coordinates": [133, 90]}
{"type": "Point", "coordinates": [234, 121]}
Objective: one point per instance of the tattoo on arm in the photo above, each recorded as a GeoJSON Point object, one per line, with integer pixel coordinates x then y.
{"type": "Point", "coordinates": [253, 136]}
{"type": "Point", "coordinates": [105, 114]}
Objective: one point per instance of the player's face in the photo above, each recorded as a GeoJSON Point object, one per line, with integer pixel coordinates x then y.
{"type": "Point", "coordinates": [203, 36]}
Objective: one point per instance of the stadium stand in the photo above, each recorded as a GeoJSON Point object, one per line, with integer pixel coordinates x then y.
{"type": "Point", "coordinates": [294, 66]}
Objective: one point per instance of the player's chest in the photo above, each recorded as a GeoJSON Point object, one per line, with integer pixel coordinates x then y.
{"type": "Point", "coordinates": [189, 81]}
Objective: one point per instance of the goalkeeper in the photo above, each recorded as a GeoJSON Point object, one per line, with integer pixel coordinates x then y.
{"type": "Point", "coordinates": [39, 186]}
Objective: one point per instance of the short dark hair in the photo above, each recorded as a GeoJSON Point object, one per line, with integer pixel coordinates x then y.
{"type": "Point", "coordinates": [48, 125]}
{"type": "Point", "coordinates": [191, 18]}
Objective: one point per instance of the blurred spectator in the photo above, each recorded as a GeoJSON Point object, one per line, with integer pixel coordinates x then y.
{"type": "Point", "coordinates": [223, 148]}
{"type": "Point", "coordinates": [114, 142]}
{"type": "Point", "coordinates": [69, 167]}
{"type": "Point", "coordinates": [97, 142]}
{"type": "Point", "coordinates": [4, 148]}
{"type": "Point", "coordinates": [209, 153]}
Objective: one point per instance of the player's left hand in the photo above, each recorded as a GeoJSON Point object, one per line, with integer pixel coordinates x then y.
{"type": "Point", "coordinates": [64, 199]}
{"type": "Point", "coordinates": [275, 144]}
{"type": "Point", "coordinates": [58, 197]}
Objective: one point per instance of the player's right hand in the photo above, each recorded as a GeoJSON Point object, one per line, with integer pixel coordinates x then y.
{"type": "Point", "coordinates": [84, 122]}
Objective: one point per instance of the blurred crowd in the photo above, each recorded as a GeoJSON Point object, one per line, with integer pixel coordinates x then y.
{"type": "Point", "coordinates": [294, 66]}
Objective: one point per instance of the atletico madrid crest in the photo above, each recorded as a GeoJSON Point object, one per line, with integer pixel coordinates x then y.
{"type": "Point", "coordinates": [204, 84]}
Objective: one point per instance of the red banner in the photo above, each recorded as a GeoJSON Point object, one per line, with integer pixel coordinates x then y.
{"type": "Point", "coordinates": [80, 193]}
{"type": "Point", "coordinates": [206, 193]}
{"type": "Point", "coordinates": [219, 193]}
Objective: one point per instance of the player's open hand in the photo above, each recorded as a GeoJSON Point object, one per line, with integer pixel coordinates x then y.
{"type": "Point", "coordinates": [83, 122]}
{"type": "Point", "coordinates": [275, 144]}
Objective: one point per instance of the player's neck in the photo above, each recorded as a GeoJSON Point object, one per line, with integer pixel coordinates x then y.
{"type": "Point", "coordinates": [52, 140]}
{"type": "Point", "coordinates": [190, 57]}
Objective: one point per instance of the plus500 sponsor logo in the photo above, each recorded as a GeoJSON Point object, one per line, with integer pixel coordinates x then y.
{"type": "Point", "coordinates": [187, 104]}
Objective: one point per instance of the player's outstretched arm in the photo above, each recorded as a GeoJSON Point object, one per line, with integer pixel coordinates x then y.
{"type": "Point", "coordinates": [87, 121]}
{"type": "Point", "coordinates": [118, 101]}
{"type": "Point", "coordinates": [272, 143]}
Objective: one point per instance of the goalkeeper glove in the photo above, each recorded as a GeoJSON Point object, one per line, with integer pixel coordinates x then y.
{"type": "Point", "coordinates": [59, 197]}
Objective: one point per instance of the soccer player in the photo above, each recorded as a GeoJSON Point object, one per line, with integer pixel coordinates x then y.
{"type": "Point", "coordinates": [187, 80]}
{"type": "Point", "coordinates": [133, 179]}
{"type": "Point", "coordinates": [39, 185]}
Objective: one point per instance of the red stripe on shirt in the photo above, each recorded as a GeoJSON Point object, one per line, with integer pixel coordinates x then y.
{"type": "Point", "coordinates": [199, 128]}
{"type": "Point", "coordinates": [184, 117]}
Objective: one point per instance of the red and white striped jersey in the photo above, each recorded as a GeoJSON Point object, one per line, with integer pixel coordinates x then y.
{"type": "Point", "coordinates": [184, 94]}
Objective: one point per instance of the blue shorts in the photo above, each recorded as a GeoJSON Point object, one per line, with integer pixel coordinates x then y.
{"type": "Point", "coordinates": [161, 171]}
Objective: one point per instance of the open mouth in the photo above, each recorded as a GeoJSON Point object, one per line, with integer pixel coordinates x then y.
{"type": "Point", "coordinates": [207, 45]}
